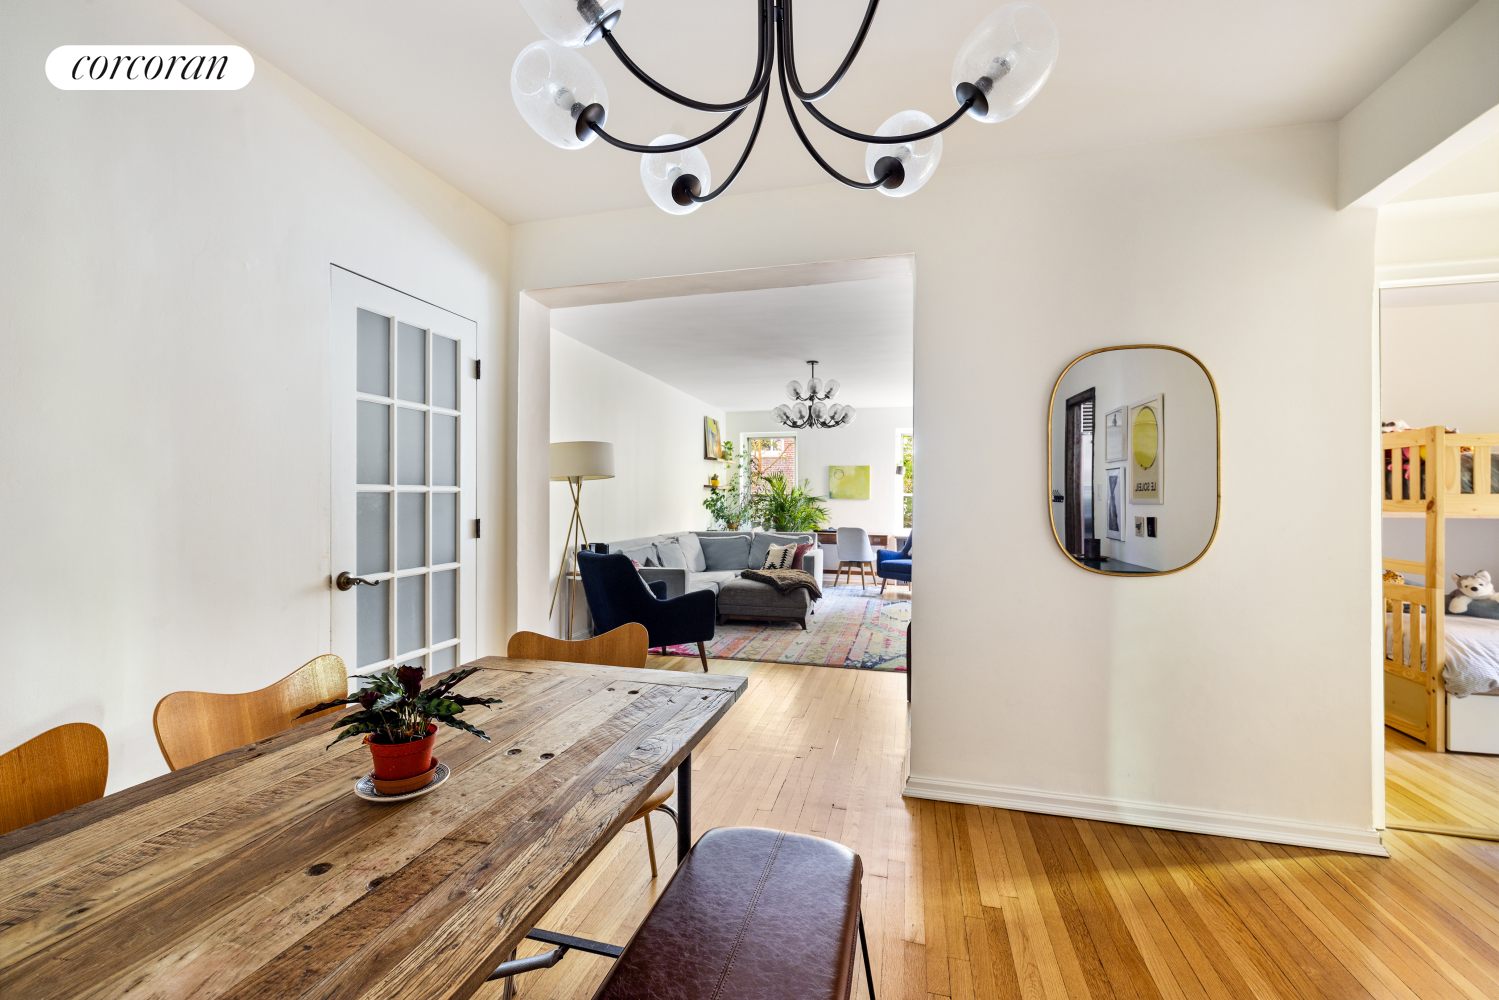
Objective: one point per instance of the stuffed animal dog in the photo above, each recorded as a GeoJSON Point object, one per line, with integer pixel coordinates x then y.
{"type": "Point", "coordinates": [1478, 587]}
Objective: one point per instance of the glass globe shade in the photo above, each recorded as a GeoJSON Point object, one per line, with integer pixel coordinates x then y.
{"type": "Point", "coordinates": [551, 86]}
{"type": "Point", "coordinates": [1008, 56]}
{"type": "Point", "coordinates": [799, 411]}
{"type": "Point", "coordinates": [793, 390]}
{"type": "Point", "coordinates": [573, 22]}
{"type": "Point", "coordinates": [919, 158]}
{"type": "Point", "coordinates": [781, 412]}
{"type": "Point", "coordinates": [849, 413]}
{"type": "Point", "coordinates": [814, 386]}
{"type": "Point", "coordinates": [659, 171]}
{"type": "Point", "coordinates": [831, 388]}
{"type": "Point", "coordinates": [819, 411]}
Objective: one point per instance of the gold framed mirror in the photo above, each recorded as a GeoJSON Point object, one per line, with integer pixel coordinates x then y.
{"type": "Point", "coordinates": [1134, 460]}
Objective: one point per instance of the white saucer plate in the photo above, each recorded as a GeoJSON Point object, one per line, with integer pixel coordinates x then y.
{"type": "Point", "coordinates": [365, 788]}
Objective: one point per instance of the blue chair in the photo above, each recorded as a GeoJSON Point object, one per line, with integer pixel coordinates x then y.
{"type": "Point", "coordinates": [616, 595]}
{"type": "Point", "coordinates": [891, 565]}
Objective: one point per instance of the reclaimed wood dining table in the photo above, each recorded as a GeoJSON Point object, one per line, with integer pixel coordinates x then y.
{"type": "Point", "coordinates": [259, 873]}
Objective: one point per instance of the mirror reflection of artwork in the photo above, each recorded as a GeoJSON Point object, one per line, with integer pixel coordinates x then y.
{"type": "Point", "coordinates": [1113, 435]}
{"type": "Point", "coordinates": [1121, 468]}
{"type": "Point", "coordinates": [1114, 501]}
{"type": "Point", "coordinates": [1147, 427]}
{"type": "Point", "coordinates": [848, 482]}
{"type": "Point", "coordinates": [712, 439]}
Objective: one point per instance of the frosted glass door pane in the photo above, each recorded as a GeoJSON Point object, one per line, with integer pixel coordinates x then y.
{"type": "Point", "coordinates": [411, 363]}
{"type": "Point", "coordinates": [373, 555]}
{"type": "Point", "coordinates": [411, 447]}
{"type": "Point", "coordinates": [444, 450]}
{"type": "Point", "coordinates": [444, 372]}
{"type": "Point", "coordinates": [374, 354]}
{"type": "Point", "coordinates": [411, 530]}
{"type": "Point", "coordinates": [374, 623]}
{"type": "Point", "coordinates": [444, 659]}
{"type": "Point", "coordinates": [411, 595]}
{"type": "Point", "coordinates": [444, 606]}
{"type": "Point", "coordinates": [374, 444]}
{"type": "Point", "coordinates": [444, 528]}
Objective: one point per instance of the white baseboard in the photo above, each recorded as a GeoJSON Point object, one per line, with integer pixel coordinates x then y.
{"type": "Point", "coordinates": [1186, 820]}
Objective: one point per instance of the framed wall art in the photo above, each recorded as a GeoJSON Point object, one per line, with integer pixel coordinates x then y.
{"type": "Point", "coordinates": [712, 439]}
{"type": "Point", "coordinates": [1147, 451]}
{"type": "Point", "coordinates": [1113, 434]}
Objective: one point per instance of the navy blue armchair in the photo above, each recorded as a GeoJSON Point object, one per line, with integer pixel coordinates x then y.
{"type": "Point", "coordinates": [891, 565]}
{"type": "Point", "coordinates": [616, 595]}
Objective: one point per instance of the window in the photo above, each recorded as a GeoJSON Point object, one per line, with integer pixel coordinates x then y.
{"type": "Point", "coordinates": [907, 477]}
{"type": "Point", "coordinates": [766, 456]}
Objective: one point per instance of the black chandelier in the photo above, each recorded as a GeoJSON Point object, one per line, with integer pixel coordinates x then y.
{"type": "Point", "coordinates": [999, 68]}
{"type": "Point", "coordinates": [812, 409]}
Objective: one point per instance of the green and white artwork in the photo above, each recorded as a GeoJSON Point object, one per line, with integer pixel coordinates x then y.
{"type": "Point", "coordinates": [848, 482]}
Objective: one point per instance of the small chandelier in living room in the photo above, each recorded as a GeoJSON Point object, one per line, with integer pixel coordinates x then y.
{"type": "Point", "coordinates": [812, 409]}
{"type": "Point", "coordinates": [1000, 66]}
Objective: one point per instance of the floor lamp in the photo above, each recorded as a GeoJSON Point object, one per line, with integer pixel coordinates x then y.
{"type": "Point", "coordinates": [572, 463]}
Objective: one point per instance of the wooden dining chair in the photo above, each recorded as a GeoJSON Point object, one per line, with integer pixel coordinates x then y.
{"type": "Point", "coordinates": [195, 725]}
{"type": "Point", "coordinates": [51, 773]}
{"type": "Point", "coordinates": [625, 646]}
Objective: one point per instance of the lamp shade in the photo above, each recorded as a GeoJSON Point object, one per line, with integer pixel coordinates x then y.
{"type": "Point", "coordinates": [582, 460]}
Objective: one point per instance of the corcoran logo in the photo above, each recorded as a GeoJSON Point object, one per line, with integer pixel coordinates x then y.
{"type": "Point", "coordinates": [149, 67]}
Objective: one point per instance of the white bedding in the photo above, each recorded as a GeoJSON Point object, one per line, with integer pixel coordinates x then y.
{"type": "Point", "coordinates": [1472, 653]}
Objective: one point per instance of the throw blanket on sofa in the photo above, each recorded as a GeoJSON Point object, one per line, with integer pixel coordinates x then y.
{"type": "Point", "coordinates": [785, 580]}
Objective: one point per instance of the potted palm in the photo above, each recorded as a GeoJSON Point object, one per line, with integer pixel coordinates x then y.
{"type": "Point", "coordinates": [398, 721]}
{"type": "Point", "coordinates": [783, 507]}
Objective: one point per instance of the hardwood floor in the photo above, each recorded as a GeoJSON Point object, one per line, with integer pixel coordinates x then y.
{"type": "Point", "coordinates": [1439, 790]}
{"type": "Point", "coordinates": [975, 903]}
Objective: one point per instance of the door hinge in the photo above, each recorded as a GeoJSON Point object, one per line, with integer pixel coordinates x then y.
{"type": "Point", "coordinates": [476, 527]}
{"type": "Point", "coordinates": [476, 368]}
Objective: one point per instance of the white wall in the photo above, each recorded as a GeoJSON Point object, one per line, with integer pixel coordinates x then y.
{"type": "Point", "coordinates": [872, 440]}
{"type": "Point", "coordinates": [1164, 699]}
{"type": "Point", "coordinates": [657, 432]}
{"type": "Point", "coordinates": [1189, 450]}
{"type": "Point", "coordinates": [164, 296]}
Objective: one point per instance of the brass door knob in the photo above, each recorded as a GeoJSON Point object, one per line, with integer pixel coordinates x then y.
{"type": "Point", "coordinates": [347, 582]}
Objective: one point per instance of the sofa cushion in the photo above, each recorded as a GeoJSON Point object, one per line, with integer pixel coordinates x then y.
{"type": "Point", "coordinates": [779, 557]}
{"type": "Point", "coordinates": [762, 542]}
{"type": "Point", "coordinates": [801, 551]}
{"type": "Point", "coordinates": [727, 552]}
{"type": "Point", "coordinates": [693, 550]}
{"type": "Point", "coordinates": [711, 580]}
{"type": "Point", "coordinates": [644, 554]}
{"type": "Point", "coordinates": [670, 555]}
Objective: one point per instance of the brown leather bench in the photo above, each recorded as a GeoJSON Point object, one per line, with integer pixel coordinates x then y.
{"type": "Point", "coordinates": [749, 914]}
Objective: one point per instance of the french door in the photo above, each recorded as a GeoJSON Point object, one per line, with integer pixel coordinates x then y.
{"type": "Point", "coordinates": [404, 585]}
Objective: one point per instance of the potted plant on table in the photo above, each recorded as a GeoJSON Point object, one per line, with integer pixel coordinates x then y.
{"type": "Point", "coordinates": [398, 721]}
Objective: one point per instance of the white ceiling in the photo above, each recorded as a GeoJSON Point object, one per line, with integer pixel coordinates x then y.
{"type": "Point", "coordinates": [737, 350]}
{"type": "Point", "coordinates": [432, 78]}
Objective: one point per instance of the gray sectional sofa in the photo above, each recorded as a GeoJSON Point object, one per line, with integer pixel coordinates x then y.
{"type": "Point", "coordinates": [705, 560]}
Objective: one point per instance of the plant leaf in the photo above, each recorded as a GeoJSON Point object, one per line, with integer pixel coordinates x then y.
{"type": "Point", "coordinates": [458, 723]}
{"type": "Point", "coordinates": [387, 701]}
{"type": "Point", "coordinates": [327, 705]}
{"type": "Point", "coordinates": [353, 731]}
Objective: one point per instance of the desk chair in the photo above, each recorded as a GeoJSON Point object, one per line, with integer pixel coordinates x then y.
{"type": "Point", "coordinates": [625, 646]}
{"type": "Point", "coordinates": [196, 725]}
{"type": "Point", "coordinates": [854, 550]}
{"type": "Point", "coordinates": [51, 773]}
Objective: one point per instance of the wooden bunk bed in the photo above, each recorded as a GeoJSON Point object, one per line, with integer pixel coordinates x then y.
{"type": "Point", "coordinates": [1435, 475]}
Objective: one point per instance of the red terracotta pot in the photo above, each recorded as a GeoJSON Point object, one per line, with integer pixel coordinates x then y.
{"type": "Point", "coordinates": [403, 760]}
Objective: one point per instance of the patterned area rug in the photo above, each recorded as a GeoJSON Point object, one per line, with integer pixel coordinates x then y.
{"type": "Point", "coordinates": [849, 627]}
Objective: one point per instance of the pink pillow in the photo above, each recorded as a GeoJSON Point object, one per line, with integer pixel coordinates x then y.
{"type": "Point", "coordinates": [801, 550]}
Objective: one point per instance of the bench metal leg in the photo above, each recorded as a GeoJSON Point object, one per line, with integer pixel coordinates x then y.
{"type": "Point", "coordinates": [864, 947]}
{"type": "Point", "coordinates": [684, 809]}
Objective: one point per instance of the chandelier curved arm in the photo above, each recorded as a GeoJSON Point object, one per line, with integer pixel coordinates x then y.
{"type": "Point", "coordinates": [848, 60]}
{"type": "Point", "coordinates": [669, 148]}
{"type": "Point", "coordinates": [754, 134]}
{"type": "Point", "coordinates": [807, 143]}
{"type": "Point", "coordinates": [891, 139]}
{"type": "Point", "coordinates": [757, 85]}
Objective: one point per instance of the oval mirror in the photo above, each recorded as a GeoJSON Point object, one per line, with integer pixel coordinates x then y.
{"type": "Point", "coordinates": [1132, 460]}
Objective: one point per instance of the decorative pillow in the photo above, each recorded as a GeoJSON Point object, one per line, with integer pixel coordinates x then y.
{"type": "Point", "coordinates": [725, 552]}
{"type": "Point", "coordinates": [652, 564]}
{"type": "Point", "coordinates": [692, 550]}
{"type": "Point", "coordinates": [801, 550]}
{"type": "Point", "coordinates": [641, 554]}
{"type": "Point", "coordinates": [763, 540]}
{"type": "Point", "coordinates": [1477, 609]}
{"type": "Point", "coordinates": [670, 554]}
{"type": "Point", "coordinates": [779, 557]}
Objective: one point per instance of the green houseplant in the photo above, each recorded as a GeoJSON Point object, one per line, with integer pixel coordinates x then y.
{"type": "Point", "coordinates": [784, 507]}
{"type": "Point", "coordinates": [396, 718]}
{"type": "Point", "coordinates": [732, 504]}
